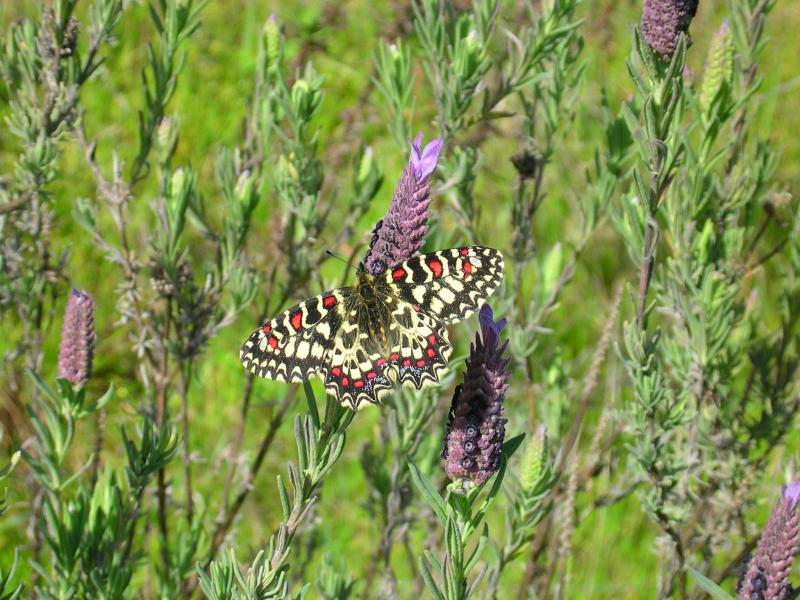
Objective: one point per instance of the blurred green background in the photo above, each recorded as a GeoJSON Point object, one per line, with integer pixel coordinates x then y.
{"type": "Point", "coordinates": [614, 553]}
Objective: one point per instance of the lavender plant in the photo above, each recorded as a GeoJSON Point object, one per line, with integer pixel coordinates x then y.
{"type": "Point", "coordinates": [473, 452]}
{"type": "Point", "coordinates": [690, 394]}
{"type": "Point", "coordinates": [44, 67]}
{"type": "Point", "coordinates": [142, 455]}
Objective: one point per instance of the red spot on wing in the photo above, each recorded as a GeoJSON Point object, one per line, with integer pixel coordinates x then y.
{"type": "Point", "coordinates": [345, 381]}
{"type": "Point", "coordinates": [394, 356]}
{"type": "Point", "coordinates": [406, 363]}
{"type": "Point", "coordinates": [464, 251]}
{"type": "Point", "coordinates": [398, 274]}
{"type": "Point", "coordinates": [359, 384]}
{"type": "Point", "coordinates": [420, 363]}
{"type": "Point", "coordinates": [328, 301]}
{"type": "Point", "coordinates": [371, 374]}
{"type": "Point", "coordinates": [296, 320]}
{"type": "Point", "coordinates": [436, 267]}
{"type": "Point", "coordinates": [431, 353]}
{"type": "Point", "coordinates": [431, 339]}
{"type": "Point", "coordinates": [336, 371]}
{"type": "Point", "coordinates": [273, 342]}
{"type": "Point", "coordinates": [380, 362]}
{"type": "Point", "coordinates": [417, 308]}
{"type": "Point", "coordinates": [266, 329]}
{"type": "Point", "coordinates": [467, 268]}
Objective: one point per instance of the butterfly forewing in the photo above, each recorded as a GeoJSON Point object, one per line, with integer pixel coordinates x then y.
{"type": "Point", "coordinates": [293, 345]}
{"type": "Point", "coordinates": [449, 284]}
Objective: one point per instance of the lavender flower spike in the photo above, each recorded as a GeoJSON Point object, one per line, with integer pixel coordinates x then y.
{"type": "Point", "coordinates": [664, 20]}
{"type": "Point", "coordinates": [476, 427]}
{"type": "Point", "coordinates": [767, 575]}
{"type": "Point", "coordinates": [77, 339]}
{"type": "Point", "coordinates": [400, 234]}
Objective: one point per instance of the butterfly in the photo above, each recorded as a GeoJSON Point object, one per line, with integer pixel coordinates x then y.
{"type": "Point", "coordinates": [387, 329]}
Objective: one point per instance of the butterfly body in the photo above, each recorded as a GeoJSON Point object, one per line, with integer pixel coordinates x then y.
{"type": "Point", "coordinates": [387, 329]}
{"type": "Point", "coordinates": [374, 310]}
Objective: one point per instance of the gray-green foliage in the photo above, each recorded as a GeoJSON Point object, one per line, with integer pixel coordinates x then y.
{"type": "Point", "coordinates": [44, 65]}
{"type": "Point", "coordinates": [704, 418]}
{"type": "Point", "coordinates": [709, 341]}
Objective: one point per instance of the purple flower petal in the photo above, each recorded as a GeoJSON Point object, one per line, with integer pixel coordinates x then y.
{"type": "Point", "coordinates": [423, 161]}
{"type": "Point", "coordinates": [490, 329]}
{"type": "Point", "coordinates": [791, 493]}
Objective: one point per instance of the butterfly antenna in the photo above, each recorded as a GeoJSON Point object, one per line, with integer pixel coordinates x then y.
{"type": "Point", "coordinates": [358, 266]}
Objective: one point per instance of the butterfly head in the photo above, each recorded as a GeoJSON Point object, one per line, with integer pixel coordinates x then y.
{"type": "Point", "coordinates": [366, 287]}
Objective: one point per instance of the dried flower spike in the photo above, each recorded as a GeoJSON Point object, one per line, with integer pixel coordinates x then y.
{"type": "Point", "coordinates": [476, 427]}
{"type": "Point", "coordinates": [767, 575]}
{"type": "Point", "coordinates": [77, 339]}
{"type": "Point", "coordinates": [663, 22]}
{"type": "Point", "coordinates": [400, 234]}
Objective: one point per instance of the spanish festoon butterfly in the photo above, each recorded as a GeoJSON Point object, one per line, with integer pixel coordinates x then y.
{"type": "Point", "coordinates": [387, 329]}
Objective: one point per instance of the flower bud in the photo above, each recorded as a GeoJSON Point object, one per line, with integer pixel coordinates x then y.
{"type": "Point", "coordinates": [271, 37]}
{"type": "Point", "coordinates": [533, 460]}
{"type": "Point", "coordinates": [166, 138]}
{"type": "Point", "coordinates": [719, 65]}
{"type": "Point", "coordinates": [243, 190]}
{"type": "Point", "coordinates": [365, 166]}
{"type": "Point", "coordinates": [305, 99]}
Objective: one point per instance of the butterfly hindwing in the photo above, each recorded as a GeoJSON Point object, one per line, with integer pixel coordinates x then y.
{"type": "Point", "coordinates": [423, 348]}
{"type": "Point", "coordinates": [292, 346]}
{"type": "Point", "coordinates": [449, 284]}
{"type": "Point", "coordinates": [361, 373]}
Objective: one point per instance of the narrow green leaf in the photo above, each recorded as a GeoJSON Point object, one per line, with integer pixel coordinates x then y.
{"type": "Point", "coordinates": [429, 493]}
{"type": "Point", "coordinates": [428, 578]}
{"type": "Point", "coordinates": [311, 401]}
{"type": "Point", "coordinates": [105, 398]}
{"type": "Point", "coordinates": [43, 387]}
{"type": "Point", "coordinates": [432, 559]}
{"type": "Point", "coordinates": [709, 586]}
{"type": "Point", "coordinates": [284, 496]}
{"type": "Point", "coordinates": [300, 439]}
{"type": "Point", "coordinates": [455, 547]}
{"type": "Point", "coordinates": [478, 550]}
{"type": "Point", "coordinates": [512, 445]}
